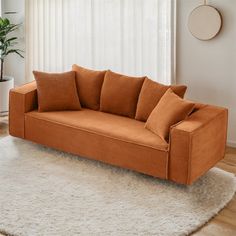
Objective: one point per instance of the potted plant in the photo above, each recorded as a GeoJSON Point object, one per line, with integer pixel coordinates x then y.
{"type": "Point", "coordinates": [7, 46]}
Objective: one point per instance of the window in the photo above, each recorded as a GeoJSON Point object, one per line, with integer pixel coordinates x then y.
{"type": "Point", "coordinates": [134, 37]}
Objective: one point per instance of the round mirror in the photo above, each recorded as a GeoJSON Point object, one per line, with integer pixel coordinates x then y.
{"type": "Point", "coordinates": [204, 22]}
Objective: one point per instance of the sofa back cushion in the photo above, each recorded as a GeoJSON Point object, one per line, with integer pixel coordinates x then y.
{"type": "Point", "coordinates": [56, 91]}
{"type": "Point", "coordinates": [89, 84]}
{"type": "Point", "coordinates": [170, 110]}
{"type": "Point", "coordinates": [151, 94]}
{"type": "Point", "coordinates": [120, 94]}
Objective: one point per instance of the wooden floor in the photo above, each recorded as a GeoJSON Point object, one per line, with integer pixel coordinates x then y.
{"type": "Point", "coordinates": [224, 224]}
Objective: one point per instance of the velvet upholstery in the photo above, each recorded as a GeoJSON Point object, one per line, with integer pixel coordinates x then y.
{"type": "Point", "coordinates": [51, 89]}
{"type": "Point", "coordinates": [170, 110]}
{"type": "Point", "coordinates": [113, 126]}
{"type": "Point", "coordinates": [120, 94]}
{"type": "Point", "coordinates": [151, 94]}
{"type": "Point", "coordinates": [89, 84]}
{"type": "Point", "coordinates": [22, 100]}
{"type": "Point", "coordinates": [88, 133]}
{"type": "Point", "coordinates": [196, 144]}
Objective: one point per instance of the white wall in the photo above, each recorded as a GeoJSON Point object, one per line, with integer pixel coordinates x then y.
{"type": "Point", "coordinates": [15, 65]}
{"type": "Point", "coordinates": [208, 68]}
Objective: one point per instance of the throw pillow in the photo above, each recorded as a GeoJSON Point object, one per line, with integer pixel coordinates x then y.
{"type": "Point", "coordinates": [120, 94]}
{"type": "Point", "coordinates": [89, 84]}
{"type": "Point", "coordinates": [151, 94]}
{"type": "Point", "coordinates": [56, 91]}
{"type": "Point", "coordinates": [170, 110]}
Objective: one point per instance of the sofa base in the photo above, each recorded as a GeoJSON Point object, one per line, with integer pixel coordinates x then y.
{"type": "Point", "coordinates": [84, 143]}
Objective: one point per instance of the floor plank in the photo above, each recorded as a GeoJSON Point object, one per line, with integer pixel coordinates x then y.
{"type": "Point", "coordinates": [224, 224]}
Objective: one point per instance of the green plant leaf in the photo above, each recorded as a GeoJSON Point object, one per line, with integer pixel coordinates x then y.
{"type": "Point", "coordinates": [17, 51]}
{"type": "Point", "coordinates": [7, 40]}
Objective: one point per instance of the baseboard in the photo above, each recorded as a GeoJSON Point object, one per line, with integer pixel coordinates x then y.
{"type": "Point", "coordinates": [231, 143]}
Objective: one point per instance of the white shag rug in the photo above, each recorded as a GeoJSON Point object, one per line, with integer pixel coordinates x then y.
{"type": "Point", "coordinates": [51, 193]}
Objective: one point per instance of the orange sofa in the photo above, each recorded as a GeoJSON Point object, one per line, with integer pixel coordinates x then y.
{"type": "Point", "coordinates": [195, 144]}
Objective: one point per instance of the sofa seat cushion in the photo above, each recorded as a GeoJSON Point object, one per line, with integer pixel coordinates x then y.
{"type": "Point", "coordinates": [105, 124]}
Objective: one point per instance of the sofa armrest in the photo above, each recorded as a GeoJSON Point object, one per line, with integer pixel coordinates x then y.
{"type": "Point", "coordinates": [197, 144]}
{"type": "Point", "coordinates": [22, 99]}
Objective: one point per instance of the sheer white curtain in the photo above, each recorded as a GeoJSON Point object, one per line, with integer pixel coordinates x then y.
{"type": "Point", "coordinates": [134, 37]}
